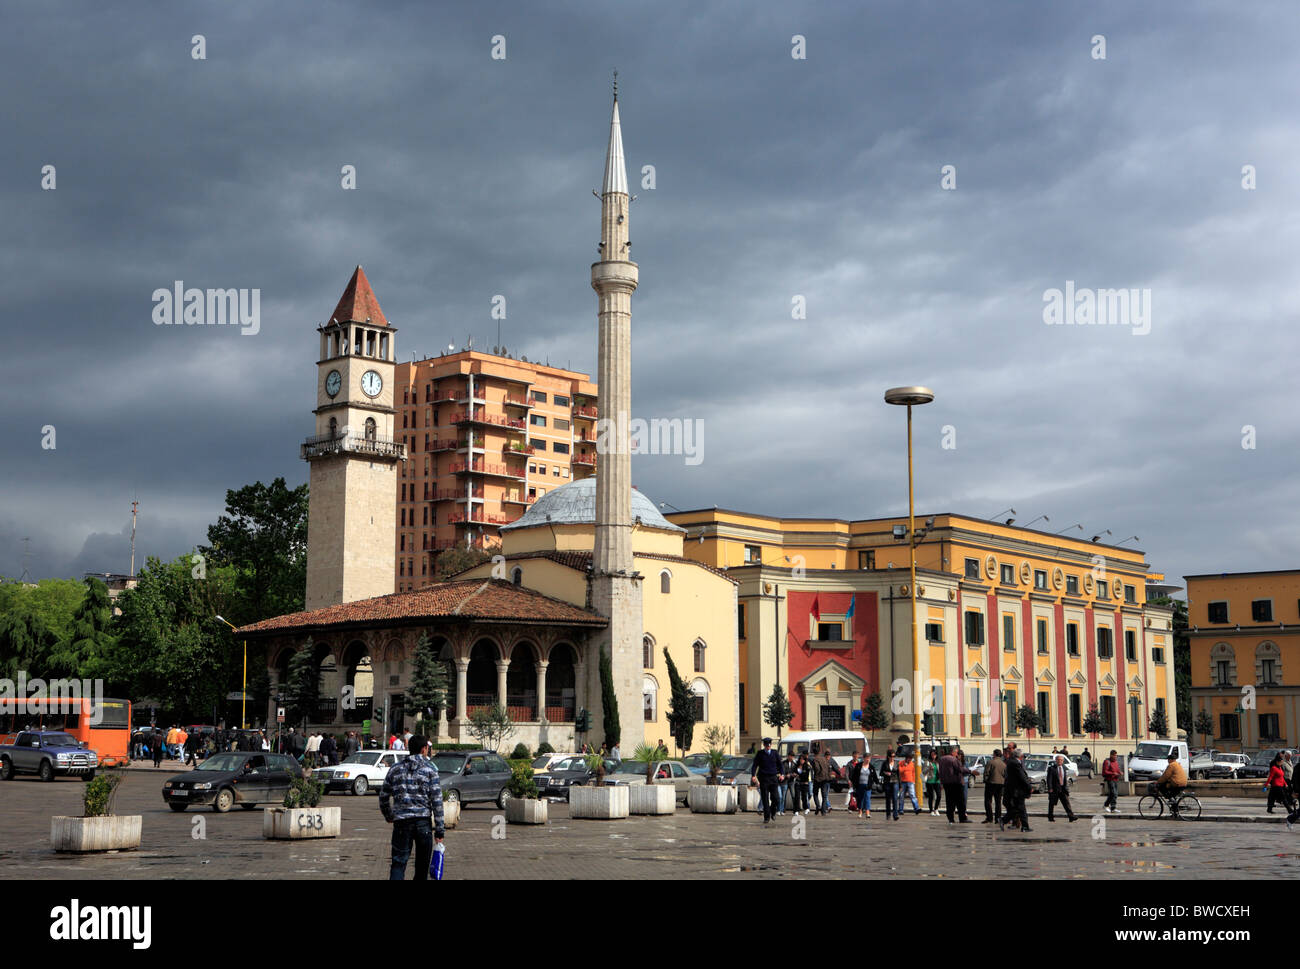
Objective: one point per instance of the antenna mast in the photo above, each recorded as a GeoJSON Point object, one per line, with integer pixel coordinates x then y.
{"type": "Point", "coordinates": [134, 506]}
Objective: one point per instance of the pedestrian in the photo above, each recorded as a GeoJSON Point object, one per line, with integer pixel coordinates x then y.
{"type": "Point", "coordinates": [1065, 751]}
{"type": "Point", "coordinates": [802, 783]}
{"type": "Point", "coordinates": [411, 801]}
{"type": "Point", "coordinates": [1017, 790]}
{"type": "Point", "coordinates": [767, 772]}
{"type": "Point", "coordinates": [933, 792]}
{"type": "Point", "coordinates": [853, 771]}
{"type": "Point", "coordinates": [156, 744]}
{"type": "Point", "coordinates": [1287, 767]}
{"type": "Point", "coordinates": [1110, 774]}
{"type": "Point", "coordinates": [888, 779]}
{"type": "Point", "coordinates": [192, 748]}
{"type": "Point", "coordinates": [662, 751]}
{"type": "Point", "coordinates": [821, 771]}
{"type": "Point", "coordinates": [906, 786]}
{"type": "Point", "coordinates": [1007, 751]}
{"type": "Point", "coordinates": [399, 743]}
{"type": "Point", "coordinates": [995, 778]}
{"type": "Point", "coordinates": [789, 775]}
{"type": "Point", "coordinates": [1278, 789]}
{"type": "Point", "coordinates": [615, 753]}
{"type": "Point", "coordinates": [1058, 789]}
{"type": "Point", "coordinates": [952, 775]}
{"type": "Point", "coordinates": [1054, 750]}
{"type": "Point", "coordinates": [866, 778]}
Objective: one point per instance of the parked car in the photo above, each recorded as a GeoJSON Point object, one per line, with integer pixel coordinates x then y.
{"type": "Point", "coordinates": [474, 775]}
{"type": "Point", "coordinates": [359, 773]}
{"type": "Point", "coordinates": [840, 744]}
{"type": "Point", "coordinates": [1200, 761]}
{"type": "Point", "coordinates": [1226, 765]}
{"type": "Point", "coordinates": [544, 762]}
{"type": "Point", "coordinates": [1258, 766]}
{"type": "Point", "coordinates": [736, 769]}
{"type": "Point", "coordinates": [697, 763]}
{"type": "Point", "coordinates": [47, 754]}
{"type": "Point", "coordinates": [672, 772]}
{"type": "Point", "coordinates": [1036, 766]}
{"type": "Point", "coordinates": [1083, 766]}
{"type": "Point", "coordinates": [248, 779]}
{"type": "Point", "coordinates": [564, 774]}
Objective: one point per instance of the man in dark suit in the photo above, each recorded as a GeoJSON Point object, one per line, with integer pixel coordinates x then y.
{"type": "Point", "coordinates": [995, 778]}
{"type": "Point", "coordinates": [767, 772]}
{"type": "Point", "coordinates": [1016, 790]}
{"type": "Point", "coordinates": [1058, 789]}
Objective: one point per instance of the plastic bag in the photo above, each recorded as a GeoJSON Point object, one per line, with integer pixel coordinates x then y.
{"type": "Point", "coordinates": [436, 862]}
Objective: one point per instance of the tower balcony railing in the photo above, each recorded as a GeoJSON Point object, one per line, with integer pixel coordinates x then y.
{"type": "Point", "coordinates": [323, 445]}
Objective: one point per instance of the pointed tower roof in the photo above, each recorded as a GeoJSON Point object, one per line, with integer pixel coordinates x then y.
{"type": "Point", "coordinates": [615, 167]}
{"type": "Point", "coordinates": [358, 303]}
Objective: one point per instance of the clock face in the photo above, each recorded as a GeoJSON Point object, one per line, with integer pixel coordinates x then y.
{"type": "Point", "coordinates": [333, 383]}
{"type": "Point", "coordinates": [372, 383]}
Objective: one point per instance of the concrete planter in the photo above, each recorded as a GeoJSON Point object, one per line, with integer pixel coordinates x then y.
{"type": "Point", "coordinates": [451, 813]}
{"type": "Point", "coordinates": [653, 799]}
{"type": "Point", "coordinates": [292, 824]}
{"type": "Point", "coordinates": [747, 799]}
{"type": "Point", "coordinates": [710, 799]}
{"type": "Point", "coordinates": [523, 810]}
{"type": "Point", "coordinates": [603, 803]}
{"type": "Point", "coordinates": [112, 833]}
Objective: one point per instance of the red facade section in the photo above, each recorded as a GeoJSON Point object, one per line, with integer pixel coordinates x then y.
{"type": "Point", "coordinates": [858, 655]}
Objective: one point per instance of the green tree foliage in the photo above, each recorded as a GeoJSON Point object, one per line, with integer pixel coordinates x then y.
{"type": "Point", "coordinates": [456, 560]}
{"type": "Point", "coordinates": [1182, 657]}
{"type": "Point", "coordinates": [1027, 718]}
{"type": "Point", "coordinates": [1158, 724]}
{"type": "Point", "coordinates": [1093, 722]}
{"type": "Point", "coordinates": [1204, 726]}
{"type": "Point", "coordinates": [169, 645]}
{"type": "Point", "coordinates": [874, 715]}
{"type": "Point", "coordinates": [36, 627]}
{"type": "Point", "coordinates": [302, 686]}
{"type": "Point", "coordinates": [263, 535]}
{"type": "Point", "coordinates": [777, 711]}
{"type": "Point", "coordinates": [490, 726]}
{"type": "Point", "coordinates": [681, 707]}
{"type": "Point", "coordinates": [609, 702]}
{"type": "Point", "coordinates": [90, 640]}
{"type": "Point", "coordinates": [430, 681]}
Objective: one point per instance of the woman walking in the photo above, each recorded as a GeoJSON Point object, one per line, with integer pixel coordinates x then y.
{"type": "Point", "coordinates": [933, 790]}
{"type": "Point", "coordinates": [801, 783]}
{"type": "Point", "coordinates": [863, 793]}
{"type": "Point", "coordinates": [1277, 786]}
{"type": "Point", "coordinates": [888, 778]}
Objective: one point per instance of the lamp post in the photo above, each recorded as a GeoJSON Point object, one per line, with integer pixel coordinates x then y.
{"type": "Point", "coordinates": [909, 397]}
{"type": "Point", "coordinates": [243, 690]}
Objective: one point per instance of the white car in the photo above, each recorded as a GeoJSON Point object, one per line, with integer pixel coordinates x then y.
{"type": "Point", "coordinates": [543, 763]}
{"type": "Point", "coordinates": [1226, 765]}
{"type": "Point", "coordinates": [360, 772]}
{"type": "Point", "coordinates": [1036, 766]}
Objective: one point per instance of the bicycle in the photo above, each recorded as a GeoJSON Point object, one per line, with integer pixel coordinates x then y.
{"type": "Point", "coordinates": [1184, 805]}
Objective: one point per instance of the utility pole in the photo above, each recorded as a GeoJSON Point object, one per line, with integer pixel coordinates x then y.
{"type": "Point", "coordinates": [134, 506]}
{"type": "Point", "coordinates": [26, 576]}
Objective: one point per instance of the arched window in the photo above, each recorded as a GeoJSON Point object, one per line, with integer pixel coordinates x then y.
{"type": "Point", "coordinates": [648, 651]}
{"type": "Point", "coordinates": [698, 649]}
{"type": "Point", "coordinates": [700, 697]}
{"type": "Point", "coordinates": [517, 576]}
{"type": "Point", "coordinates": [1268, 664]}
{"type": "Point", "coordinates": [370, 428]}
{"type": "Point", "coordinates": [650, 699]}
{"type": "Point", "coordinates": [665, 581]}
{"type": "Point", "coordinates": [1223, 665]}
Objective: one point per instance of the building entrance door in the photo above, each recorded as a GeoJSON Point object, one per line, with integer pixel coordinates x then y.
{"type": "Point", "coordinates": [832, 718]}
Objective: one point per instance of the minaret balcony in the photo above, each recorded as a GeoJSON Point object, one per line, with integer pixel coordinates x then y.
{"type": "Point", "coordinates": [325, 445]}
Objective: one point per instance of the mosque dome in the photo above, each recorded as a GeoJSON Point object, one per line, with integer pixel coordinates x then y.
{"type": "Point", "coordinates": [575, 504]}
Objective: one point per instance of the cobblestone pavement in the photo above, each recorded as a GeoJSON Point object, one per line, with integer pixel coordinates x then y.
{"type": "Point", "coordinates": [683, 846]}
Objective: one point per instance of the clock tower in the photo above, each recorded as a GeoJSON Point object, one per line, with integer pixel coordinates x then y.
{"type": "Point", "coordinates": [352, 505]}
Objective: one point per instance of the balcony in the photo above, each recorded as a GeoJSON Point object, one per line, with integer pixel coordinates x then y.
{"type": "Point", "coordinates": [518, 500]}
{"type": "Point", "coordinates": [583, 460]}
{"type": "Point", "coordinates": [478, 518]}
{"type": "Point", "coordinates": [443, 445]}
{"type": "Point", "coordinates": [457, 494]}
{"type": "Point", "coordinates": [489, 470]}
{"type": "Point", "coordinates": [585, 413]}
{"type": "Point", "coordinates": [324, 445]}
{"type": "Point", "coordinates": [517, 451]}
{"type": "Point", "coordinates": [480, 416]}
{"type": "Point", "coordinates": [523, 402]}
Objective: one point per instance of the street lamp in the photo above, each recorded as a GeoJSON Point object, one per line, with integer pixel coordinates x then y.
{"type": "Point", "coordinates": [243, 690]}
{"type": "Point", "coordinates": [909, 397]}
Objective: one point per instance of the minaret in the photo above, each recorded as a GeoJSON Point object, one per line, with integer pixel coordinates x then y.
{"type": "Point", "coordinates": [616, 588]}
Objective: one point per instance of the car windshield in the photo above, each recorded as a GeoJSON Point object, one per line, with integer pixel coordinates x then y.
{"type": "Point", "coordinates": [227, 761]}
{"type": "Point", "coordinates": [1153, 751]}
{"type": "Point", "coordinates": [570, 763]}
{"type": "Point", "coordinates": [630, 767]}
{"type": "Point", "coordinates": [1036, 763]}
{"type": "Point", "coordinates": [737, 763]}
{"type": "Point", "coordinates": [448, 763]}
{"type": "Point", "coordinates": [59, 740]}
{"type": "Point", "coordinates": [696, 760]}
{"type": "Point", "coordinates": [1264, 757]}
{"type": "Point", "coordinates": [368, 758]}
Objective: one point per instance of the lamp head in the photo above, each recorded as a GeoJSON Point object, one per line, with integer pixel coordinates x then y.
{"type": "Point", "coordinates": [908, 396]}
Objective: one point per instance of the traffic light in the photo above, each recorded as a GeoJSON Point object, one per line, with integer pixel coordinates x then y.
{"type": "Point", "coordinates": [927, 724]}
{"type": "Point", "coordinates": [379, 713]}
{"type": "Point", "coordinates": [583, 723]}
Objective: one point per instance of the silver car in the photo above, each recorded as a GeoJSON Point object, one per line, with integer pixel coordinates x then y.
{"type": "Point", "coordinates": [674, 772]}
{"type": "Point", "coordinates": [1036, 766]}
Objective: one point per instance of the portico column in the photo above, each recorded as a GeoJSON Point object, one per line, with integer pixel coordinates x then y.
{"type": "Point", "coordinates": [503, 665]}
{"type": "Point", "coordinates": [541, 691]}
{"type": "Point", "coordinates": [462, 684]}
{"type": "Point", "coordinates": [581, 688]}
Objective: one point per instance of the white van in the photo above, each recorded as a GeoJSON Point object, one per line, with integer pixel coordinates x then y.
{"type": "Point", "coordinates": [840, 744]}
{"type": "Point", "coordinates": [1152, 757]}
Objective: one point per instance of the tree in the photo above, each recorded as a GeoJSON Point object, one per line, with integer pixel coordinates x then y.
{"type": "Point", "coordinates": [1093, 723]}
{"type": "Point", "coordinates": [718, 741]}
{"type": "Point", "coordinates": [609, 702]}
{"type": "Point", "coordinates": [302, 687]}
{"type": "Point", "coordinates": [1027, 718]}
{"type": "Point", "coordinates": [681, 707]}
{"type": "Point", "coordinates": [1158, 723]}
{"type": "Point", "coordinates": [1182, 657]}
{"type": "Point", "coordinates": [89, 641]}
{"type": "Point", "coordinates": [490, 726]}
{"type": "Point", "coordinates": [777, 711]}
{"type": "Point", "coordinates": [456, 560]}
{"type": "Point", "coordinates": [263, 535]}
{"type": "Point", "coordinates": [1204, 726]}
{"type": "Point", "coordinates": [874, 715]}
{"type": "Point", "coordinates": [430, 680]}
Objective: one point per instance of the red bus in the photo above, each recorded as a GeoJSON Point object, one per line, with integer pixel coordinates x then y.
{"type": "Point", "coordinates": [110, 737]}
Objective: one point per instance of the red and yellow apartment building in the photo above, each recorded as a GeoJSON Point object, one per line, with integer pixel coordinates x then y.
{"type": "Point", "coordinates": [1244, 632]}
{"type": "Point", "coordinates": [1006, 616]}
{"type": "Point", "coordinates": [485, 437]}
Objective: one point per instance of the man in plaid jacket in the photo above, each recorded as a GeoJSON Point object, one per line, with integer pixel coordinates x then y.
{"type": "Point", "coordinates": [411, 801]}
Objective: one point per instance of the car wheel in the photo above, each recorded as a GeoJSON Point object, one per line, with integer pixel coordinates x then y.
{"type": "Point", "coordinates": [6, 769]}
{"type": "Point", "coordinates": [453, 796]}
{"type": "Point", "coordinates": [88, 776]}
{"type": "Point", "coordinates": [360, 785]}
{"type": "Point", "coordinates": [46, 771]}
{"type": "Point", "coordinates": [178, 808]}
{"type": "Point", "coordinates": [504, 796]}
{"type": "Point", "coordinates": [248, 807]}
{"type": "Point", "coordinates": [225, 800]}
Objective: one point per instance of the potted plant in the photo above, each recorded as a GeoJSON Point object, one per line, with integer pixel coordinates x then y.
{"type": "Point", "coordinates": [650, 798]}
{"type": "Point", "coordinates": [524, 807]}
{"type": "Point", "coordinates": [597, 800]}
{"type": "Point", "coordinates": [98, 829]}
{"type": "Point", "coordinates": [302, 816]}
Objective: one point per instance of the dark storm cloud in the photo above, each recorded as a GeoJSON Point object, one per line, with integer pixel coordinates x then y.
{"type": "Point", "coordinates": [776, 178]}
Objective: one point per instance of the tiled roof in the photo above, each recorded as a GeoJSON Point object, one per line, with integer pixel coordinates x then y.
{"type": "Point", "coordinates": [483, 600]}
{"type": "Point", "coordinates": [581, 561]}
{"type": "Point", "coordinates": [358, 303]}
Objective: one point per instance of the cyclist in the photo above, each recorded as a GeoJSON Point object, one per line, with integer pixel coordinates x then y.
{"type": "Point", "coordinates": [1172, 782]}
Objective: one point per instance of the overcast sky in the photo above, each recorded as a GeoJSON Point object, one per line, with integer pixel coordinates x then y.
{"type": "Point", "coordinates": [776, 177]}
